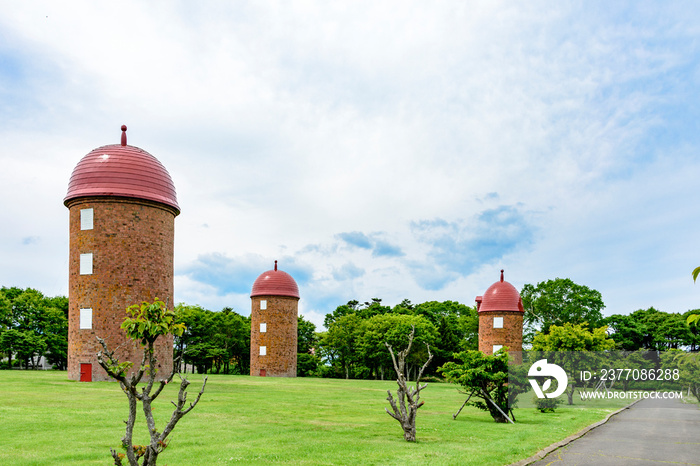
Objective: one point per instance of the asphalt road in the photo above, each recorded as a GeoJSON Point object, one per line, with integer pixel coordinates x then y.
{"type": "Point", "coordinates": [651, 432]}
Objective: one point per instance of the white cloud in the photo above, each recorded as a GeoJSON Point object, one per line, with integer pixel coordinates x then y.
{"type": "Point", "coordinates": [288, 125]}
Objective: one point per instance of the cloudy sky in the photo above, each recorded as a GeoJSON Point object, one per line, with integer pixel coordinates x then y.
{"type": "Point", "coordinates": [376, 149]}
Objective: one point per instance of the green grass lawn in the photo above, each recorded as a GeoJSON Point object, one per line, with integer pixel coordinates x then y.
{"type": "Point", "coordinates": [46, 419]}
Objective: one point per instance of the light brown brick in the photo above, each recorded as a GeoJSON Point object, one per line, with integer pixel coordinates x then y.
{"type": "Point", "coordinates": [132, 243]}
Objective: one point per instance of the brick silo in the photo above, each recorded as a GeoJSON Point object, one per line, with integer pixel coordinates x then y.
{"type": "Point", "coordinates": [273, 325]}
{"type": "Point", "coordinates": [501, 313]}
{"type": "Point", "coordinates": [122, 207]}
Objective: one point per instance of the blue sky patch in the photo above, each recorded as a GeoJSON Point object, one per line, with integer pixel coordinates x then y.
{"type": "Point", "coordinates": [357, 239]}
{"type": "Point", "coordinates": [458, 248]}
{"type": "Point", "coordinates": [237, 275]}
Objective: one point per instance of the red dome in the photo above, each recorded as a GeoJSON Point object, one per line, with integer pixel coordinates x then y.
{"type": "Point", "coordinates": [501, 296]}
{"type": "Point", "coordinates": [122, 171]}
{"type": "Point", "coordinates": [275, 283]}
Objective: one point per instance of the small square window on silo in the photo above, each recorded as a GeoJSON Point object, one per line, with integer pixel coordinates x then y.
{"type": "Point", "coordinates": [85, 319]}
{"type": "Point", "coordinates": [498, 322]}
{"type": "Point", "coordinates": [86, 216]}
{"type": "Point", "coordinates": [496, 348]}
{"type": "Point", "coordinates": [263, 327]}
{"type": "Point", "coordinates": [263, 304]}
{"type": "Point", "coordinates": [263, 350]}
{"type": "Point", "coordinates": [86, 264]}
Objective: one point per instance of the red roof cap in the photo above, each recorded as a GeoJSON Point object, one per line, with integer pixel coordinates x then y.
{"type": "Point", "coordinates": [122, 171]}
{"type": "Point", "coordinates": [275, 283]}
{"type": "Point", "coordinates": [501, 296]}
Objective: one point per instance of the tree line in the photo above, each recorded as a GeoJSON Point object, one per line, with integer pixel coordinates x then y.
{"type": "Point", "coordinates": [354, 344]}
{"type": "Point", "coordinates": [31, 326]}
{"type": "Point", "coordinates": [352, 347]}
{"type": "Point", "coordinates": [219, 342]}
{"type": "Point", "coordinates": [561, 301]}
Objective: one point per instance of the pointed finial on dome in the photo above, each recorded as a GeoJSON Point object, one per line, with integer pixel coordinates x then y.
{"type": "Point", "coordinates": [275, 265]}
{"type": "Point", "coordinates": [501, 274]}
{"type": "Point", "coordinates": [123, 135]}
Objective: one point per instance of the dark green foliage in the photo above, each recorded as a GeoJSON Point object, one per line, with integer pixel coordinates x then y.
{"type": "Point", "coordinates": [486, 379]}
{"type": "Point", "coordinates": [219, 342]}
{"type": "Point", "coordinates": [339, 312]}
{"type": "Point", "coordinates": [33, 325]}
{"type": "Point", "coordinates": [352, 347]}
{"type": "Point", "coordinates": [662, 330]}
{"type": "Point", "coordinates": [393, 329]}
{"type": "Point", "coordinates": [627, 332]}
{"type": "Point", "coordinates": [654, 330]}
{"type": "Point", "coordinates": [547, 405]}
{"type": "Point", "coordinates": [338, 345]}
{"type": "Point", "coordinates": [559, 301]}
{"type": "Point", "coordinates": [214, 341]}
{"type": "Point", "coordinates": [307, 364]}
{"type": "Point", "coordinates": [457, 325]}
{"type": "Point", "coordinates": [306, 335]}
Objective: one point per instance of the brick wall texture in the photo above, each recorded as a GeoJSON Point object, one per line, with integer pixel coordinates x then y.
{"type": "Point", "coordinates": [280, 339]}
{"type": "Point", "coordinates": [132, 244]}
{"type": "Point", "coordinates": [511, 335]}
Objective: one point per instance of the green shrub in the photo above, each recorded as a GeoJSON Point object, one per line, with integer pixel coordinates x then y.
{"type": "Point", "coordinates": [307, 364]}
{"type": "Point", "coordinates": [547, 405]}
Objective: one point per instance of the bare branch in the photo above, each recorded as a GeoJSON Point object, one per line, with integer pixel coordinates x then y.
{"type": "Point", "coordinates": [408, 397]}
{"type": "Point", "coordinates": [181, 400]}
{"type": "Point", "coordinates": [422, 369]}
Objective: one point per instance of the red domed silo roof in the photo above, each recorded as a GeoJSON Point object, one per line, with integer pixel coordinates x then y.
{"type": "Point", "coordinates": [275, 283]}
{"type": "Point", "coordinates": [501, 296]}
{"type": "Point", "coordinates": [122, 171]}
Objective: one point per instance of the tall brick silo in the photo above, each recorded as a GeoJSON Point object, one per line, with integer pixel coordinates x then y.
{"type": "Point", "coordinates": [122, 207]}
{"type": "Point", "coordinates": [501, 313]}
{"type": "Point", "coordinates": [273, 325]}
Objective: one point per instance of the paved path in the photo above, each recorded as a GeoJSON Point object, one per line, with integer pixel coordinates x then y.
{"type": "Point", "coordinates": [652, 432]}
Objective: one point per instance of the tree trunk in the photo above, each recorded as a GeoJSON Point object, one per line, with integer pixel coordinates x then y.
{"type": "Point", "coordinates": [570, 393]}
{"type": "Point", "coordinates": [496, 414]}
{"type": "Point", "coordinates": [158, 440]}
{"type": "Point", "coordinates": [408, 397]}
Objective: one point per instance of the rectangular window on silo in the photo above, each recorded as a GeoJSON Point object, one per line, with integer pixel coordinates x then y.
{"type": "Point", "coordinates": [498, 322]}
{"type": "Point", "coordinates": [86, 216]}
{"type": "Point", "coordinates": [86, 264]}
{"type": "Point", "coordinates": [263, 304]}
{"type": "Point", "coordinates": [85, 319]}
{"type": "Point", "coordinates": [263, 350]}
{"type": "Point", "coordinates": [263, 327]}
{"type": "Point", "coordinates": [496, 348]}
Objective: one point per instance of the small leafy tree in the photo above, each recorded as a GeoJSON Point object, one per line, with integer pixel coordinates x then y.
{"type": "Point", "coordinates": [145, 323]}
{"type": "Point", "coordinates": [547, 405]}
{"type": "Point", "coordinates": [406, 415]}
{"type": "Point", "coordinates": [485, 378]}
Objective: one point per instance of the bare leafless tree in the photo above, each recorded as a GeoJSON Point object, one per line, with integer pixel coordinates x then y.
{"type": "Point", "coordinates": [406, 405]}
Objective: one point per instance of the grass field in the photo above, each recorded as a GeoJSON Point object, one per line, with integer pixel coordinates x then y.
{"type": "Point", "coordinates": [46, 419]}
